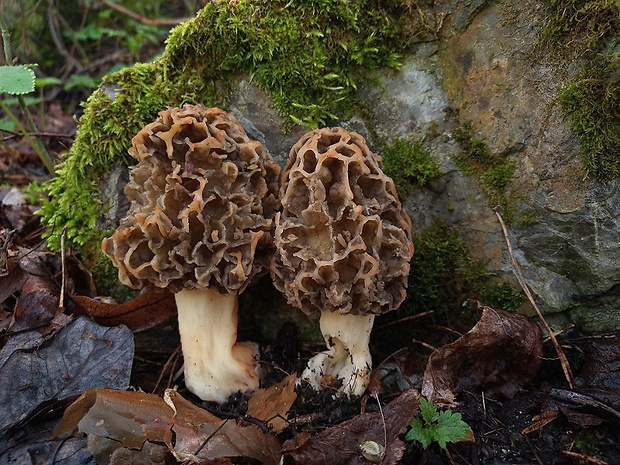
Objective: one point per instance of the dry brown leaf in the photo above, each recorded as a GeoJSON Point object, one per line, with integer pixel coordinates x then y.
{"type": "Point", "coordinates": [341, 443]}
{"type": "Point", "coordinates": [539, 421]}
{"type": "Point", "coordinates": [139, 314]}
{"type": "Point", "coordinates": [501, 353]}
{"type": "Point", "coordinates": [133, 420]}
{"type": "Point", "coordinates": [273, 403]}
{"type": "Point", "coordinates": [38, 303]}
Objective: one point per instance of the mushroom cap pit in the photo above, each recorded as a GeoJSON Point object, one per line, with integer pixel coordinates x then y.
{"type": "Point", "coordinates": [343, 240]}
{"type": "Point", "coordinates": [203, 198]}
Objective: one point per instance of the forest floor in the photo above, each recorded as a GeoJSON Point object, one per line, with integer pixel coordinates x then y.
{"type": "Point", "coordinates": [508, 384]}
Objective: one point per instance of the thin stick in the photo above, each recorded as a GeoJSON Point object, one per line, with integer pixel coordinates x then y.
{"type": "Point", "coordinates": [402, 320]}
{"type": "Point", "coordinates": [376, 396]}
{"type": "Point", "coordinates": [63, 278]}
{"type": "Point", "coordinates": [587, 458]}
{"type": "Point", "coordinates": [142, 19]}
{"type": "Point", "coordinates": [517, 271]}
{"type": "Point", "coordinates": [167, 366]}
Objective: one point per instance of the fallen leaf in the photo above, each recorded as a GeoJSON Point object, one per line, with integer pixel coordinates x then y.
{"type": "Point", "coordinates": [37, 304]}
{"type": "Point", "coordinates": [539, 421]}
{"type": "Point", "coordinates": [79, 279]}
{"type": "Point", "coordinates": [134, 420]}
{"type": "Point", "coordinates": [32, 446]}
{"type": "Point", "coordinates": [501, 353]}
{"type": "Point", "coordinates": [341, 443]}
{"type": "Point", "coordinates": [38, 371]}
{"type": "Point", "coordinates": [273, 403]}
{"type": "Point", "coordinates": [138, 314]}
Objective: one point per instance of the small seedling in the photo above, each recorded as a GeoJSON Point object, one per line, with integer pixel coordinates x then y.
{"type": "Point", "coordinates": [443, 427]}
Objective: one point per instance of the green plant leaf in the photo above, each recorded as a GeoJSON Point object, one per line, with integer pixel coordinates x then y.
{"type": "Point", "coordinates": [443, 427]}
{"type": "Point", "coordinates": [450, 428]}
{"type": "Point", "coordinates": [7, 125]}
{"type": "Point", "coordinates": [47, 81]}
{"type": "Point", "coordinates": [81, 80]}
{"type": "Point", "coordinates": [429, 411]}
{"type": "Point", "coordinates": [16, 80]}
{"type": "Point", "coordinates": [419, 433]}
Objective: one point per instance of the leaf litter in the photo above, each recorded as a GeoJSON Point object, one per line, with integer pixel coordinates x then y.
{"type": "Point", "coordinates": [498, 357]}
{"type": "Point", "coordinates": [135, 420]}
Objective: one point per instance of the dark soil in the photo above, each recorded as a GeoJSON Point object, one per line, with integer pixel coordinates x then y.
{"type": "Point", "coordinates": [577, 432]}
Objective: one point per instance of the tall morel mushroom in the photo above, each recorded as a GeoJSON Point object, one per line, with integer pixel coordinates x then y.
{"type": "Point", "coordinates": [343, 246]}
{"type": "Point", "coordinates": [203, 197]}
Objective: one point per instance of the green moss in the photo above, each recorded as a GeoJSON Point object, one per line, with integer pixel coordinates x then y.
{"type": "Point", "coordinates": [105, 275]}
{"type": "Point", "coordinates": [444, 276]}
{"type": "Point", "coordinates": [407, 163]}
{"type": "Point", "coordinates": [446, 279]}
{"type": "Point", "coordinates": [494, 172]}
{"type": "Point", "coordinates": [591, 103]}
{"type": "Point", "coordinates": [576, 27]}
{"type": "Point", "coordinates": [307, 55]}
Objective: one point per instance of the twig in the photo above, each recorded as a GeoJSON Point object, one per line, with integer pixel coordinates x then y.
{"type": "Point", "coordinates": [517, 271]}
{"type": "Point", "coordinates": [204, 443]}
{"type": "Point", "coordinates": [143, 19]}
{"type": "Point", "coordinates": [167, 365]}
{"type": "Point", "coordinates": [376, 396]}
{"type": "Point", "coordinates": [526, 439]}
{"type": "Point", "coordinates": [13, 134]}
{"type": "Point", "coordinates": [54, 28]}
{"type": "Point", "coordinates": [584, 457]}
{"type": "Point", "coordinates": [402, 320]}
{"type": "Point", "coordinates": [63, 278]}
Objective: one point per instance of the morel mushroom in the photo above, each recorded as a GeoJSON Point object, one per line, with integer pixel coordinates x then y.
{"type": "Point", "coordinates": [203, 197]}
{"type": "Point", "coordinates": [343, 246]}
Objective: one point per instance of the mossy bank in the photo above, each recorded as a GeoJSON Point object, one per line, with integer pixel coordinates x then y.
{"type": "Point", "coordinates": [308, 56]}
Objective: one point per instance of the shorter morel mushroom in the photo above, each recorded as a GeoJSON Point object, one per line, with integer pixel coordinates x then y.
{"type": "Point", "coordinates": [343, 246]}
{"type": "Point", "coordinates": [203, 197]}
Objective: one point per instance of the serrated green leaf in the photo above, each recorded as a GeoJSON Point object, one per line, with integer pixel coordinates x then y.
{"type": "Point", "coordinates": [419, 433]}
{"type": "Point", "coordinates": [16, 80]}
{"type": "Point", "coordinates": [450, 428]}
{"type": "Point", "coordinates": [429, 411]}
{"type": "Point", "coordinates": [432, 425]}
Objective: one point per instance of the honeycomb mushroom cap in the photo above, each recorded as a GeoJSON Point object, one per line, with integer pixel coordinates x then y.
{"type": "Point", "coordinates": [343, 240]}
{"type": "Point", "coordinates": [203, 197]}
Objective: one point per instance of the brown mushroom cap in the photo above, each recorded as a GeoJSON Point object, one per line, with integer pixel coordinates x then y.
{"type": "Point", "coordinates": [343, 240]}
{"type": "Point", "coordinates": [203, 197]}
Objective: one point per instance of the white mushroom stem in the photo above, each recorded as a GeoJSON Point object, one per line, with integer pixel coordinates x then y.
{"type": "Point", "coordinates": [348, 356]}
{"type": "Point", "coordinates": [216, 365]}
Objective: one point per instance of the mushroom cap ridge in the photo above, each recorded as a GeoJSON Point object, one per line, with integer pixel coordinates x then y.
{"type": "Point", "coordinates": [343, 241]}
{"type": "Point", "coordinates": [203, 198]}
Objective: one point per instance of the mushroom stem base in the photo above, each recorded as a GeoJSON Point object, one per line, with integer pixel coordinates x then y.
{"type": "Point", "coordinates": [347, 362]}
{"type": "Point", "coordinates": [216, 365]}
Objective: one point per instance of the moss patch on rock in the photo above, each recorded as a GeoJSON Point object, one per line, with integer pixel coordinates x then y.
{"type": "Point", "coordinates": [576, 27]}
{"type": "Point", "coordinates": [308, 57]}
{"type": "Point", "coordinates": [591, 103]}
{"type": "Point", "coordinates": [494, 172]}
{"type": "Point", "coordinates": [446, 279]}
{"type": "Point", "coordinates": [407, 162]}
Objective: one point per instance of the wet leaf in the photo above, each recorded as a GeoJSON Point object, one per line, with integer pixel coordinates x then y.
{"type": "Point", "coordinates": [273, 403]}
{"type": "Point", "coordinates": [341, 443]}
{"type": "Point", "coordinates": [139, 314]}
{"type": "Point", "coordinates": [39, 372]}
{"type": "Point", "coordinates": [37, 305]}
{"type": "Point", "coordinates": [134, 420]}
{"type": "Point", "coordinates": [32, 446]}
{"type": "Point", "coordinates": [501, 353]}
